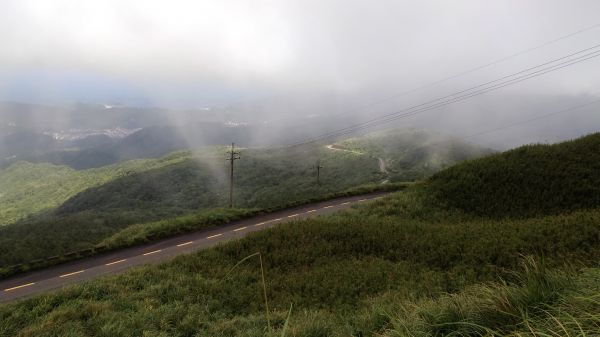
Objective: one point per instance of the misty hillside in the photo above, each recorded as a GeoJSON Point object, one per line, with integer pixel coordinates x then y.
{"type": "Point", "coordinates": [61, 209]}
{"type": "Point", "coordinates": [25, 144]}
{"type": "Point", "coordinates": [179, 182]}
{"type": "Point", "coordinates": [102, 150]}
{"type": "Point", "coordinates": [28, 188]}
{"type": "Point", "coordinates": [412, 153]}
{"type": "Point", "coordinates": [199, 181]}
{"type": "Point", "coordinates": [55, 118]}
{"type": "Point", "coordinates": [409, 264]}
{"type": "Point", "coordinates": [115, 139]}
{"type": "Point", "coordinates": [51, 185]}
{"type": "Point", "coordinates": [295, 168]}
{"type": "Point", "coordinates": [59, 202]}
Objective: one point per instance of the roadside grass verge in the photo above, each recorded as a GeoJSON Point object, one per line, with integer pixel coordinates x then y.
{"type": "Point", "coordinates": [45, 256]}
{"type": "Point", "coordinates": [146, 232]}
{"type": "Point", "coordinates": [329, 268]}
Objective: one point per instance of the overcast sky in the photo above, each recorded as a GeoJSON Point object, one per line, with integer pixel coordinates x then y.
{"type": "Point", "coordinates": [178, 48]}
{"type": "Point", "coordinates": [195, 53]}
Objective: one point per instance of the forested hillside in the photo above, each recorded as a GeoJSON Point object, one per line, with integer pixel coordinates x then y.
{"type": "Point", "coordinates": [27, 188]}
{"type": "Point", "coordinates": [262, 179]}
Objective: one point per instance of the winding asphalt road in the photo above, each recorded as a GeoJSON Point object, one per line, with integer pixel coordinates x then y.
{"type": "Point", "coordinates": [26, 285]}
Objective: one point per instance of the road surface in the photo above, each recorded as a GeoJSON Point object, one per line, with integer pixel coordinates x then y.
{"type": "Point", "coordinates": [26, 285]}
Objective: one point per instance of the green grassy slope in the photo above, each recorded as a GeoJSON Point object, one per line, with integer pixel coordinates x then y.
{"type": "Point", "coordinates": [411, 264]}
{"type": "Point", "coordinates": [178, 183]}
{"type": "Point", "coordinates": [187, 183]}
{"type": "Point", "coordinates": [267, 178]}
{"type": "Point", "coordinates": [263, 179]}
{"type": "Point", "coordinates": [27, 188]}
{"type": "Point", "coordinates": [530, 180]}
{"type": "Point", "coordinates": [402, 247]}
{"type": "Point", "coordinates": [542, 303]}
{"type": "Point", "coordinates": [70, 210]}
{"type": "Point", "coordinates": [183, 180]}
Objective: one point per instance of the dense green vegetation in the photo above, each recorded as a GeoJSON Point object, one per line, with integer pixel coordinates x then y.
{"type": "Point", "coordinates": [49, 247]}
{"type": "Point", "coordinates": [182, 183]}
{"type": "Point", "coordinates": [411, 264]}
{"type": "Point", "coordinates": [185, 181]}
{"type": "Point", "coordinates": [179, 182]}
{"type": "Point", "coordinates": [28, 188]}
{"type": "Point", "coordinates": [412, 154]}
{"type": "Point", "coordinates": [541, 302]}
{"type": "Point", "coordinates": [84, 235]}
{"type": "Point", "coordinates": [62, 210]}
{"type": "Point", "coordinates": [401, 247]}
{"type": "Point", "coordinates": [530, 180]}
{"type": "Point", "coordinates": [264, 178]}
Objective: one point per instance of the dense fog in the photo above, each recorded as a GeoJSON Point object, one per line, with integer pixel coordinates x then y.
{"type": "Point", "coordinates": [269, 73]}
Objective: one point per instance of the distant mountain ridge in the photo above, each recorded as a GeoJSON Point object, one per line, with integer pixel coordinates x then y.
{"type": "Point", "coordinates": [100, 149]}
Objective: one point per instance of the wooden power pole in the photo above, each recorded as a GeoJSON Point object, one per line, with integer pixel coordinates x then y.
{"type": "Point", "coordinates": [318, 167]}
{"type": "Point", "coordinates": [233, 156]}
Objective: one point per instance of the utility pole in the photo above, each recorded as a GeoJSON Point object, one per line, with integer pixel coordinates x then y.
{"type": "Point", "coordinates": [318, 167]}
{"type": "Point", "coordinates": [233, 156]}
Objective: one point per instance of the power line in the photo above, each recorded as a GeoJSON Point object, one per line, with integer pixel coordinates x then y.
{"type": "Point", "coordinates": [432, 103]}
{"type": "Point", "coordinates": [500, 60]}
{"type": "Point", "coordinates": [573, 108]}
{"type": "Point", "coordinates": [318, 167]}
{"type": "Point", "coordinates": [462, 98]}
{"type": "Point", "coordinates": [480, 133]}
{"type": "Point", "coordinates": [465, 94]}
{"type": "Point", "coordinates": [233, 156]}
{"type": "Point", "coordinates": [474, 69]}
{"type": "Point", "coordinates": [551, 114]}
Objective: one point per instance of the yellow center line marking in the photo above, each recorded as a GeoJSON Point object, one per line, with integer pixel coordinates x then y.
{"type": "Point", "coordinates": [345, 203]}
{"type": "Point", "coordinates": [260, 224]}
{"type": "Point", "coordinates": [277, 219]}
{"type": "Point", "coordinates": [185, 244]}
{"type": "Point", "coordinates": [19, 287]}
{"type": "Point", "coordinates": [73, 273]}
{"type": "Point", "coordinates": [311, 211]}
{"type": "Point", "coordinates": [214, 236]}
{"type": "Point", "coordinates": [361, 200]}
{"type": "Point", "coordinates": [328, 206]}
{"type": "Point", "coordinates": [293, 215]}
{"type": "Point", "coordinates": [110, 264]}
{"type": "Point", "coordinates": [152, 252]}
{"type": "Point", "coordinates": [240, 229]}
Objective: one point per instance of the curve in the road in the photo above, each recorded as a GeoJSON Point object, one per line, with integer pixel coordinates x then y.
{"type": "Point", "coordinates": [41, 281]}
{"type": "Point", "coordinates": [381, 161]}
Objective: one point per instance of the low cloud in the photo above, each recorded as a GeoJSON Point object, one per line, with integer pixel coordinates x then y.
{"type": "Point", "coordinates": [188, 53]}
